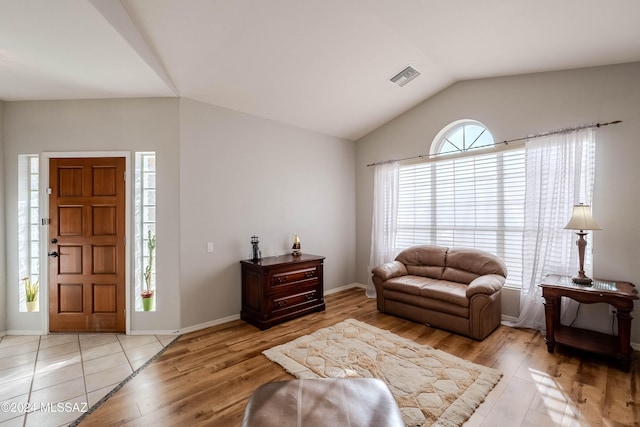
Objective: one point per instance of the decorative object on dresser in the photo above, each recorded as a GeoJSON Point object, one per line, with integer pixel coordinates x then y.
{"type": "Point", "coordinates": [296, 248]}
{"type": "Point", "coordinates": [620, 295]}
{"type": "Point", "coordinates": [281, 288]}
{"type": "Point", "coordinates": [581, 220]}
{"type": "Point", "coordinates": [256, 254]}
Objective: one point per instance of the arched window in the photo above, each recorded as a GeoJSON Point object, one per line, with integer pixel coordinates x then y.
{"type": "Point", "coordinates": [461, 136]}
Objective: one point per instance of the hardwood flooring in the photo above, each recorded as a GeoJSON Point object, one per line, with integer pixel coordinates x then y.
{"type": "Point", "coordinates": [208, 375]}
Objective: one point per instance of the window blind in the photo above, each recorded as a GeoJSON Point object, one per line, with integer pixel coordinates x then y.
{"type": "Point", "coordinates": [475, 201]}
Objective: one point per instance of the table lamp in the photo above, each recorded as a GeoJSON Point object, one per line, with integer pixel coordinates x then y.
{"type": "Point", "coordinates": [581, 220]}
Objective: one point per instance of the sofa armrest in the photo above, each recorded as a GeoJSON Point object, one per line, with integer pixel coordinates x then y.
{"type": "Point", "coordinates": [487, 284]}
{"type": "Point", "coordinates": [390, 270]}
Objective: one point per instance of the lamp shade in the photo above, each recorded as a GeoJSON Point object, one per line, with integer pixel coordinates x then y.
{"type": "Point", "coordinates": [581, 219]}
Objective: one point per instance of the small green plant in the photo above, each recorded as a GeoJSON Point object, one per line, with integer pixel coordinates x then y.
{"type": "Point", "coordinates": [31, 289]}
{"type": "Point", "coordinates": [151, 245]}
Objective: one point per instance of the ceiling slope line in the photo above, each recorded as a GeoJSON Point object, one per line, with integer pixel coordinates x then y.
{"type": "Point", "coordinates": [118, 17]}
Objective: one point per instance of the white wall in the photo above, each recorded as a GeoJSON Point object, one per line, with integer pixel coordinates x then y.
{"type": "Point", "coordinates": [3, 290]}
{"type": "Point", "coordinates": [242, 175]}
{"type": "Point", "coordinates": [100, 125]}
{"type": "Point", "coordinates": [518, 106]}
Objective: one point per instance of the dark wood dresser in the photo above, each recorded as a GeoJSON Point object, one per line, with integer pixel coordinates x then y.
{"type": "Point", "coordinates": [280, 288]}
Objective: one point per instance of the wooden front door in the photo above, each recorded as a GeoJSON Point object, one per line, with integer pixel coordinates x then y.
{"type": "Point", "coordinates": [87, 245]}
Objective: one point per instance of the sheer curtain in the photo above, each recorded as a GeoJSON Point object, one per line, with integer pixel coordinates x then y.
{"type": "Point", "coordinates": [385, 216]}
{"type": "Point", "coordinates": [559, 175]}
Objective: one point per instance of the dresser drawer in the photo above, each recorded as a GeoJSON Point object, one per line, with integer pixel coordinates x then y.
{"type": "Point", "coordinates": [303, 275]}
{"type": "Point", "coordinates": [291, 302]}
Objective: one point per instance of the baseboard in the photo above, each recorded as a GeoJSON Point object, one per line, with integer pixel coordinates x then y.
{"type": "Point", "coordinates": [344, 288]}
{"type": "Point", "coordinates": [20, 332]}
{"type": "Point", "coordinates": [155, 332]}
{"type": "Point", "coordinates": [506, 318]}
{"type": "Point", "coordinates": [209, 324]}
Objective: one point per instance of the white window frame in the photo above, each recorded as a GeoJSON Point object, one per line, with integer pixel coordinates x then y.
{"type": "Point", "coordinates": [439, 142]}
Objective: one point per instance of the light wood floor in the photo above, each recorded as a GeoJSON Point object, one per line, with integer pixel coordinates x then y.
{"type": "Point", "coordinates": [207, 376]}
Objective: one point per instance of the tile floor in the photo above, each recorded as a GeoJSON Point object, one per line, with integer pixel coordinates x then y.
{"type": "Point", "coordinates": [64, 375]}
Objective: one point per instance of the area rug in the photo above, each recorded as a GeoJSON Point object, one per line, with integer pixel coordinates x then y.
{"type": "Point", "coordinates": [431, 387]}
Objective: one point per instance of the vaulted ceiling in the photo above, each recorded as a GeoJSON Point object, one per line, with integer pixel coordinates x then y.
{"type": "Point", "coordinates": [322, 65]}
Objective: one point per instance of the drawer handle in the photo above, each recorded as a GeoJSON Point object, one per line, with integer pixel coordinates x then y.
{"type": "Point", "coordinates": [310, 274]}
{"type": "Point", "coordinates": [281, 303]}
{"type": "Point", "coordinates": [310, 296]}
{"type": "Point", "coordinates": [281, 279]}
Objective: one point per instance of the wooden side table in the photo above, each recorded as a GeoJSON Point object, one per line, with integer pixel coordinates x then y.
{"type": "Point", "coordinates": [618, 294]}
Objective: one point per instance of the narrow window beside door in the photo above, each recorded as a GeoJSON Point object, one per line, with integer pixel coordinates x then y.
{"type": "Point", "coordinates": [145, 225]}
{"type": "Point", "coordinates": [28, 226]}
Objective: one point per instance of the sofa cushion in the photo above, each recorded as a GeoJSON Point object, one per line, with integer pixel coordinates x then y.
{"type": "Point", "coordinates": [444, 290]}
{"type": "Point", "coordinates": [433, 305]}
{"type": "Point", "coordinates": [441, 290]}
{"type": "Point", "coordinates": [409, 284]}
{"type": "Point", "coordinates": [464, 265]}
{"type": "Point", "coordinates": [427, 261]}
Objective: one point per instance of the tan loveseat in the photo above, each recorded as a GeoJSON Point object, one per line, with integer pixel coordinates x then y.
{"type": "Point", "coordinates": [453, 289]}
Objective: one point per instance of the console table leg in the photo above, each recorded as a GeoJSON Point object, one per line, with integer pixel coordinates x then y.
{"type": "Point", "coordinates": [550, 318]}
{"type": "Point", "coordinates": [625, 351]}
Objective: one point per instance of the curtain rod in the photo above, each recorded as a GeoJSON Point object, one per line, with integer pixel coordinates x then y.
{"type": "Point", "coordinates": [505, 142]}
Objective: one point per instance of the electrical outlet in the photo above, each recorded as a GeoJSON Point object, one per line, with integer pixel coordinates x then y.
{"type": "Point", "coordinates": [209, 246]}
{"type": "Point", "coordinates": [612, 310]}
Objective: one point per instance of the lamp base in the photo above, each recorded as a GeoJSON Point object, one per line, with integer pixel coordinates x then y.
{"type": "Point", "coordinates": [581, 279]}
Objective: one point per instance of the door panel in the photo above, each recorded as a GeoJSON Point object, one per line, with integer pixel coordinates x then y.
{"type": "Point", "coordinates": [87, 230]}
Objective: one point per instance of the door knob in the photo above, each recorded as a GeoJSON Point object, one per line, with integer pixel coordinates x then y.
{"type": "Point", "coordinates": [53, 254]}
{"type": "Point", "coordinates": [54, 240]}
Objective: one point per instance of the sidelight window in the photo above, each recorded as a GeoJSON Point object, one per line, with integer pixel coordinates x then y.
{"type": "Point", "coordinates": [28, 225]}
{"type": "Point", "coordinates": [145, 225]}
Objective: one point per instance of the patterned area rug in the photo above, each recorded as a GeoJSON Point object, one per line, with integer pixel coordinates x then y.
{"type": "Point", "coordinates": [431, 387]}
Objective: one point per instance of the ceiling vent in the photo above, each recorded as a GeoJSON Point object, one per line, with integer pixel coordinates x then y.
{"type": "Point", "coordinates": [405, 76]}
